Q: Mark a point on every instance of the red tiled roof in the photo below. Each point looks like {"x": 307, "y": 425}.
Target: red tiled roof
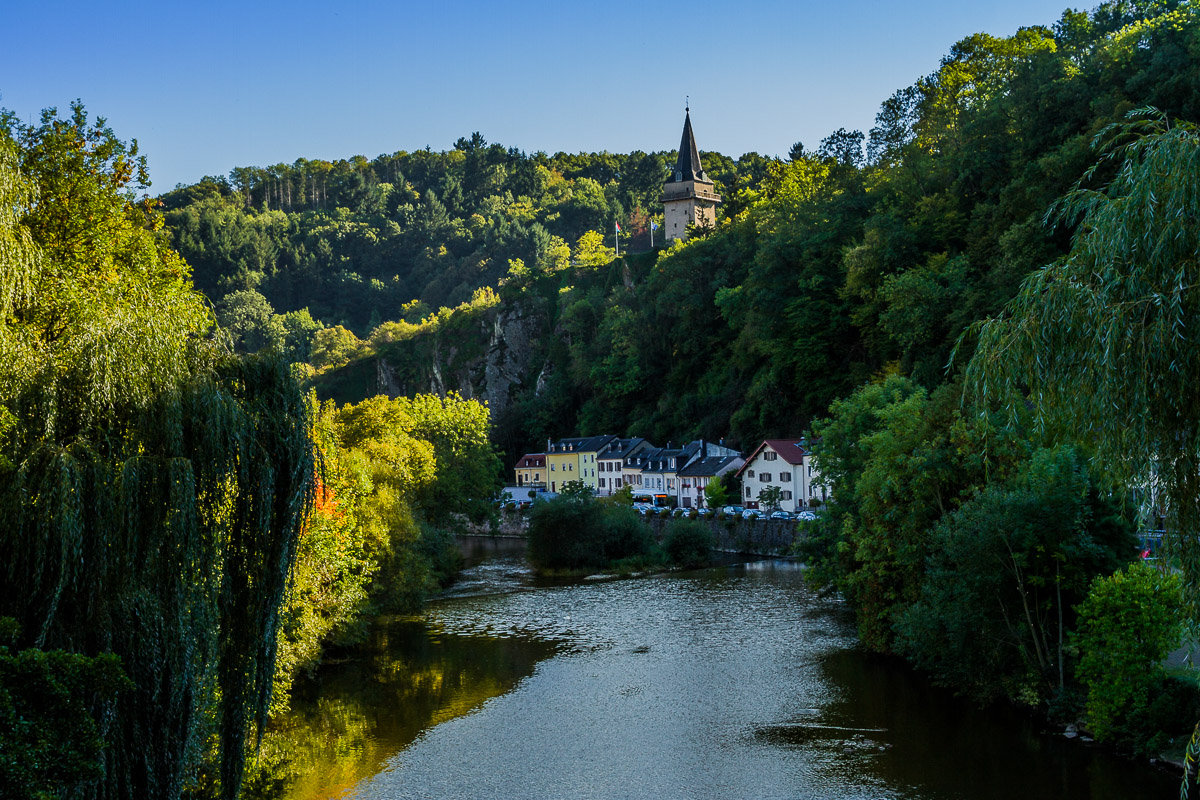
{"x": 531, "y": 461}
{"x": 790, "y": 450}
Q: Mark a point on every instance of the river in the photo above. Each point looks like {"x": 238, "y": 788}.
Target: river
{"x": 731, "y": 682}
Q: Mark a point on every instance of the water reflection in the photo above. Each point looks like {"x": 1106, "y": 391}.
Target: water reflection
{"x": 733, "y": 682}
{"x": 410, "y": 678}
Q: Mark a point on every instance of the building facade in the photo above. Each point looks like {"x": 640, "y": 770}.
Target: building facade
{"x": 562, "y": 462}
{"x": 531, "y": 471}
{"x": 786, "y": 464}
{"x": 696, "y": 476}
{"x": 610, "y": 464}
{"x": 589, "y": 452}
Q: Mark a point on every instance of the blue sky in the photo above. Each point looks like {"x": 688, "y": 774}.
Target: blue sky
{"x": 206, "y": 87}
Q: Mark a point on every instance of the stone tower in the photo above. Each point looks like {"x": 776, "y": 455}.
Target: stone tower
{"x": 688, "y": 195}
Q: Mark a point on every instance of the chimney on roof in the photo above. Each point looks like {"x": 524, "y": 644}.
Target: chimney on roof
{"x": 703, "y": 449}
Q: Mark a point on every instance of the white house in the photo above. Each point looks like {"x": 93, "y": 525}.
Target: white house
{"x": 787, "y": 464}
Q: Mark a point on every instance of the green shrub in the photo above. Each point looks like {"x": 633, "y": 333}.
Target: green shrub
{"x": 1128, "y": 623}
{"x": 50, "y": 740}
{"x": 689, "y": 543}
{"x": 581, "y": 533}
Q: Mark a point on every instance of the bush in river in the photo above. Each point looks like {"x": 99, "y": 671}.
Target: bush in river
{"x": 580, "y": 533}
{"x": 689, "y": 543}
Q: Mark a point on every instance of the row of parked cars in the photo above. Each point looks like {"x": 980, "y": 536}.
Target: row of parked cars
{"x": 758, "y": 513}
{"x": 729, "y": 511}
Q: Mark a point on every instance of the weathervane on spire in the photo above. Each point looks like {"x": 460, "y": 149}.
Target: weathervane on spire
{"x": 687, "y": 104}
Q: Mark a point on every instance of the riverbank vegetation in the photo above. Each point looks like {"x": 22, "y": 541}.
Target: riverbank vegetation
{"x": 576, "y": 532}
{"x": 991, "y": 549}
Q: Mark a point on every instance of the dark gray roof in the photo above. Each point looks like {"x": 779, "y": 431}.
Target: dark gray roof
{"x": 688, "y": 168}
{"x": 594, "y": 444}
{"x": 621, "y": 448}
{"x": 660, "y": 460}
{"x": 566, "y": 445}
{"x": 707, "y": 467}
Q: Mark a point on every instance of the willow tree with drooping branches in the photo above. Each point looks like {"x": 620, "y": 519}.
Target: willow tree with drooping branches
{"x": 1103, "y": 346}
{"x": 152, "y": 487}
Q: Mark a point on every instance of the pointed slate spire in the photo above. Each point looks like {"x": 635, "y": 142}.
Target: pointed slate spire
{"x": 688, "y": 168}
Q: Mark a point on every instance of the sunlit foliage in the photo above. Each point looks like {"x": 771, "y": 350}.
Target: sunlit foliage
{"x": 153, "y": 488}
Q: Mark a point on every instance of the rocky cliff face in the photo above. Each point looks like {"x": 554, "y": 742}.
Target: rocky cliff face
{"x": 487, "y": 359}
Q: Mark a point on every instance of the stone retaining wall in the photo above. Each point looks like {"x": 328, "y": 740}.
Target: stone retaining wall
{"x": 733, "y": 535}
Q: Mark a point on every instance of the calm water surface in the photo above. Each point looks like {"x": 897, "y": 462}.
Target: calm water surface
{"x": 732, "y": 682}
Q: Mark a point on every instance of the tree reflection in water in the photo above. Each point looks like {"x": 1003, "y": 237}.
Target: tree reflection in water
{"x": 351, "y": 717}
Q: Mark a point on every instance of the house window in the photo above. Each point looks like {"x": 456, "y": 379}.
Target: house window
{"x": 747, "y": 491}
{"x": 785, "y": 477}
{"x": 785, "y": 495}
{"x": 552, "y": 466}
{"x": 764, "y": 477}
{"x": 602, "y": 483}
{"x": 537, "y": 477}
{"x": 770, "y": 456}
{"x": 749, "y": 473}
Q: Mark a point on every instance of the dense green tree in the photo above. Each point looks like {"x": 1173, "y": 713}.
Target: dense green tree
{"x": 153, "y": 490}
{"x": 897, "y": 461}
{"x": 247, "y": 316}
{"x": 52, "y": 741}
{"x": 579, "y": 532}
{"x": 1003, "y": 575}
{"x": 716, "y": 493}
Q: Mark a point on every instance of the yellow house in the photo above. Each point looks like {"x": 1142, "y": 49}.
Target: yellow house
{"x": 574, "y": 460}
{"x": 589, "y": 451}
{"x": 562, "y": 462}
{"x": 531, "y": 470}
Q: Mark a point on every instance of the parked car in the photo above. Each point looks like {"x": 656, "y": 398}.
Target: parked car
{"x": 752, "y": 513}
{"x": 781, "y": 514}
{"x": 704, "y": 512}
{"x": 732, "y": 511}
{"x": 808, "y": 516}
{"x": 679, "y": 512}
